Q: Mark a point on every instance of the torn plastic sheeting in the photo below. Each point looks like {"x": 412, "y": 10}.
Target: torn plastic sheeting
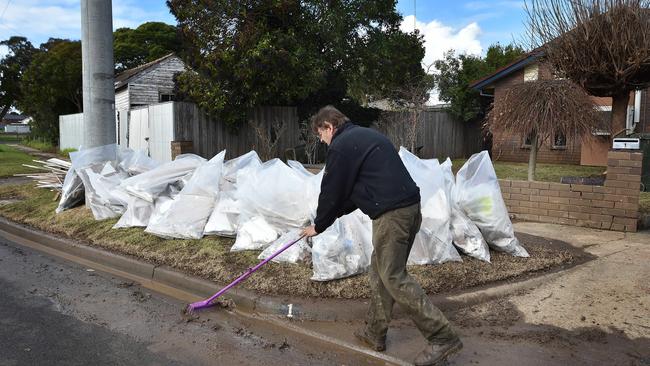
{"x": 190, "y": 209}
{"x": 479, "y": 196}
{"x": 100, "y": 182}
{"x": 298, "y": 252}
{"x": 152, "y": 183}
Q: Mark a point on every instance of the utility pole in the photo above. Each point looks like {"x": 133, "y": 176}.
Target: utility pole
{"x": 98, "y": 72}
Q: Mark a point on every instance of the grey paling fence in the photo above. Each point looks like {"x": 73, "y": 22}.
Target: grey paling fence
{"x": 438, "y": 134}
{"x": 209, "y": 135}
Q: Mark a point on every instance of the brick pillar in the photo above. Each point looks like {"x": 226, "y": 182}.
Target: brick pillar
{"x": 624, "y": 180}
{"x": 181, "y": 147}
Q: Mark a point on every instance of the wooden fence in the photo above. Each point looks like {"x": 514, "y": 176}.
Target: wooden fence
{"x": 209, "y": 136}
{"x": 438, "y": 135}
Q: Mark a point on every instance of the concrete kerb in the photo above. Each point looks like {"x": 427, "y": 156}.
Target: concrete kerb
{"x": 248, "y": 301}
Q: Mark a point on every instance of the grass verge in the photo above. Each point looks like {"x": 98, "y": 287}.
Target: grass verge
{"x": 644, "y": 203}
{"x": 211, "y": 259}
{"x": 543, "y": 172}
{"x": 12, "y": 160}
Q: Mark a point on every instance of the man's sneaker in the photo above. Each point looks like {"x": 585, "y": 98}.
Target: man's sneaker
{"x": 378, "y": 344}
{"x": 434, "y": 352}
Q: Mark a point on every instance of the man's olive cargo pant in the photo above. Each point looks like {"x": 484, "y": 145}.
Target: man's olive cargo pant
{"x": 393, "y": 234}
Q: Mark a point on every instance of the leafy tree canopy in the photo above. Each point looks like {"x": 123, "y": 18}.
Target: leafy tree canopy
{"x": 457, "y": 72}
{"x": 288, "y": 52}
{"x": 12, "y": 68}
{"x": 51, "y": 86}
{"x": 148, "y": 42}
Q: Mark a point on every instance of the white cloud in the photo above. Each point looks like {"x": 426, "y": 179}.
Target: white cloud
{"x": 40, "y": 20}
{"x": 440, "y": 38}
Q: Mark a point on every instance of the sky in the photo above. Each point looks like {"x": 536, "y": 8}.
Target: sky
{"x": 465, "y": 26}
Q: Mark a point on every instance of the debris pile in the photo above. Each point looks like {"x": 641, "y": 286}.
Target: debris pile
{"x": 51, "y": 173}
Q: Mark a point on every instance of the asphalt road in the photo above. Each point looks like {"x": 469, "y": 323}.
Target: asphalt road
{"x": 54, "y": 312}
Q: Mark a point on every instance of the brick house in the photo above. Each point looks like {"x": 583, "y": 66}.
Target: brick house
{"x": 532, "y": 66}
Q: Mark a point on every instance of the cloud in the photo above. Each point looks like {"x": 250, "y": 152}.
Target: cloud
{"x": 40, "y": 20}
{"x": 440, "y": 38}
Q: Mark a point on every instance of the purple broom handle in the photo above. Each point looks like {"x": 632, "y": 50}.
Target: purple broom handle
{"x": 251, "y": 270}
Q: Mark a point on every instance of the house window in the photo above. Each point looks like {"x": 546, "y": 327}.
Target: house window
{"x": 528, "y": 141}
{"x": 166, "y": 97}
{"x": 531, "y": 72}
{"x": 559, "y": 141}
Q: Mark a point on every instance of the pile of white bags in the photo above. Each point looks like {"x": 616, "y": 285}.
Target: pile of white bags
{"x": 265, "y": 205}
{"x": 479, "y": 196}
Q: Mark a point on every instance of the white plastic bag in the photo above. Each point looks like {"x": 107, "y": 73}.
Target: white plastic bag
{"x": 72, "y": 191}
{"x": 254, "y": 234}
{"x": 224, "y": 218}
{"x": 271, "y": 199}
{"x": 152, "y": 183}
{"x": 433, "y": 242}
{"x": 465, "y": 234}
{"x": 137, "y": 214}
{"x": 137, "y": 162}
{"x": 344, "y": 249}
{"x": 100, "y": 181}
{"x": 479, "y": 196}
{"x": 298, "y": 252}
{"x": 191, "y": 208}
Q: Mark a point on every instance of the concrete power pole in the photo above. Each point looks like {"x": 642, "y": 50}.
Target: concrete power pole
{"x": 98, "y": 72}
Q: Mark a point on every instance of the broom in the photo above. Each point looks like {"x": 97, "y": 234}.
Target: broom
{"x": 191, "y": 308}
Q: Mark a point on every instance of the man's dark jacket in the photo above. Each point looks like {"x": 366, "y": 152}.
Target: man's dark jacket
{"x": 363, "y": 171}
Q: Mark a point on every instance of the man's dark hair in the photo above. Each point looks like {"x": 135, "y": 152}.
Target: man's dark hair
{"x": 328, "y": 114}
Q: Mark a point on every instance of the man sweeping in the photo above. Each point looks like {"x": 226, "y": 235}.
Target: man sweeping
{"x": 363, "y": 170}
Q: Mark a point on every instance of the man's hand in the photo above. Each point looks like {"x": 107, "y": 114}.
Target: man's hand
{"x": 309, "y": 231}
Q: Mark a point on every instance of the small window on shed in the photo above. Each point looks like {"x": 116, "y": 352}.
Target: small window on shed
{"x": 166, "y": 97}
{"x": 531, "y": 72}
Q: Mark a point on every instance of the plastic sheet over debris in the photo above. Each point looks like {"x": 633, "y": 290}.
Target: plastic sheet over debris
{"x": 265, "y": 206}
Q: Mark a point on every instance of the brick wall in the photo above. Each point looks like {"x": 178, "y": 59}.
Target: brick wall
{"x": 614, "y": 206}
{"x": 507, "y": 147}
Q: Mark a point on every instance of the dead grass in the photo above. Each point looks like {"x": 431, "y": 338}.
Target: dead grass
{"x": 211, "y": 259}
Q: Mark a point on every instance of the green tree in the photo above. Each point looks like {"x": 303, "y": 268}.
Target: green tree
{"x": 457, "y": 72}
{"x": 148, "y": 42}
{"x": 305, "y": 53}
{"x": 51, "y": 87}
{"x": 12, "y": 68}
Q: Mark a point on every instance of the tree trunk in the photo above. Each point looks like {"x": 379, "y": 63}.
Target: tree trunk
{"x": 532, "y": 158}
{"x": 619, "y": 113}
